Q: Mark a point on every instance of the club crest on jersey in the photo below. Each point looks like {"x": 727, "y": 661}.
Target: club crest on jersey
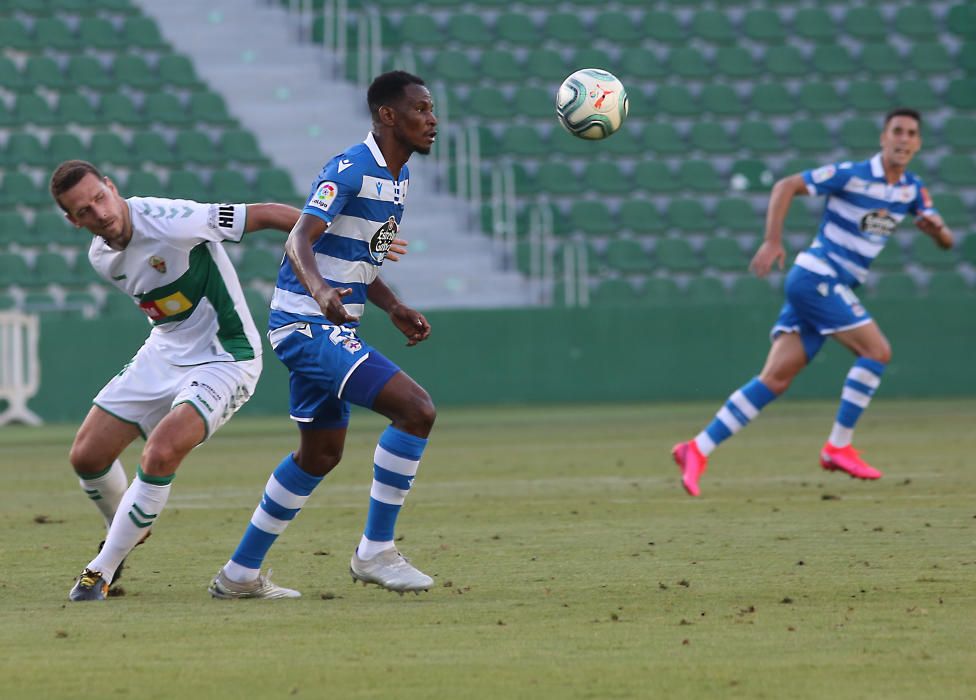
{"x": 158, "y": 264}
{"x": 352, "y": 345}
{"x": 324, "y": 195}
{"x": 878, "y": 222}
{"x": 381, "y": 240}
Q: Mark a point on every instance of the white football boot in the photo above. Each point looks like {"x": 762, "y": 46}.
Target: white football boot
{"x": 391, "y": 570}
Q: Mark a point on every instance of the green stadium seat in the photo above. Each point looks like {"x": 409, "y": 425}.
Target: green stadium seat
{"x": 689, "y": 215}
{"x": 99, "y": 33}
{"x": 241, "y": 146}
{"x": 713, "y": 26}
{"x": 688, "y": 62}
{"x": 641, "y": 217}
{"x": 750, "y": 175}
{"x": 24, "y": 148}
{"x": 747, "y": 289}
{"x": 108, "y": 147}
{"x": 52, "y": 268}
{"x": 627, "y": 255}
{"x": 178, "y": 71}
{"x": 524, "y": 140}
{"x": 820, "y": 98}
{"x": 660, "y": 291}
{"x": 833, "y": 60}
{"x": 705, "y": 290}
{"x": 274, "y": 184}
{"x": 142, "y": 33}
{"x": 209, "y": 108}
{"x": 185, "y": 184}
{"x": 918, "y": 93}
{"x": 721, "y": 100}
{"x": 534, "y": 102}
{"x": 640, "y": 104}
{"x": 519, "y": 29}
{"x": 13, "y": 229}
{"x": 735, "y": 62}
{"x": 18, "y": 189}
{"x": 772, "y": 99}
{"x": 947, "y": 285}
{"x": 88, "y": 71}
{"x": 258, "y": 264}
{"x": 35, "y": 110}
{"x": 166, "y": 109}
{"x": 14, "y": 34}
{"x": 764, "y": 26}
{"x": 953, "y": 210}
{"x": 860, "y": 135}
{"x": 810, "y": 135}
{"x": 74, "y": 108}
{"x": 815, "y": 24}
{"x": 117, "y": 108}
{"x": 14, "y": 269}
{"x": 961, "y": 93}
{"x": 894, "y": 285}
{"x": 50, "y": 226}
{"x": 712, "y": 138}
{"x": 39, "y": 301}
{"x": 967, "y": 57}
{"x": 958, "y": 170}
{"x": 881, "y": 59}
{"x": 469, "y": 29}
{"x": 676, "y": 100}
{"x": 591, "y": 56}
{"x": 489, "y": 103}
{"x": 676, "y": 255}
{"x": 8, "y": 302}
{"x": 617, "y": 28}
{"x": 724, "y": 254}
{"x": 931, "y": 58}
{"x": 10, "y": 76}
{"x": 961, "y": 20}
{"x": 44, "y": 71}
{"x": 63, "y": 146}
{"x": 700, "y": 176}
{"x": 967, "y": 249}
{"x": 867, "y": 96}
{"x": 785, "y": 62}
{"x": 866, "y": 24}
{"x": 151, "y": 147}
{"x": 421, "y": 29}
{"x": 142, "y": 183}
{"x": 890, "y": 257}
{"x": 230, "y": 186}
{"x": 566, "y": 28}
{"x": 80, "y": 301}
{"x": 737, "y": 215}
{"x": 916, "y": 22}
{"x": 604, "y": 177}
{"x": 454, "y": 65}
{"x": 759, "y": 137}
{"x": 664, "y": 27}
{"x": 501, "y": 65}
{"x": 196, "y": 147}
{"x": 557, "y": 179}
{"x": 624, "y": 143}
{"x": 545, "y": 65}
{"x": 662, "y": 138}
{"x": 52, "y": 33}
{"x": 656, "y": 177}
{"x": 592, "y": 217}
{"x": 613, "y": 292}
{"x": 925, "y": 252}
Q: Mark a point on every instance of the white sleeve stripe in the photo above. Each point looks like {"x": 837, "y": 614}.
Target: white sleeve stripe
{"x": 391, "y": 463}
{"x": 855, "y": 397}
{"x": 865, "y": 377}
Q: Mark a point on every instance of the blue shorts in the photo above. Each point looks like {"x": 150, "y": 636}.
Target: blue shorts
{"x": 817, "y": 306}
{"x": 330, "y": 368}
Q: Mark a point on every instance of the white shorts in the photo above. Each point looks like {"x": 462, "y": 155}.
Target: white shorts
{"x": 148, "y": 388}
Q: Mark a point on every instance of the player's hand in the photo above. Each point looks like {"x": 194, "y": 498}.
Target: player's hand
{"x": 933, "y": 226}
{"x": 330, "y": 301}
{"x": 398, "y": 248}
{"x": 411, "y": 323}
{"x": 768, "y": 254}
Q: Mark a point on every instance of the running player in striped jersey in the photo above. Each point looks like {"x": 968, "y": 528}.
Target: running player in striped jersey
{"x": 199, "y": 365}
{"x": 865, "y": 201}
{"x": 347, "y": 229}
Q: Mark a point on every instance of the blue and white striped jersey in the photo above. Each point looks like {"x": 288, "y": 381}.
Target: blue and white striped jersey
{"x": 363, "y": 205}
{"x": 860, "y": 214}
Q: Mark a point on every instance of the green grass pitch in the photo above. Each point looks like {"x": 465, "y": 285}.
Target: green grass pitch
{"x": 568, "y": 562}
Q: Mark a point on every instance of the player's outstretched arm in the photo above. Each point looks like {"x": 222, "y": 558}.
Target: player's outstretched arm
{"x": 772, "y": 251}
{"x": 280, "y": 217}
{"x": 411, "y": 323}
{"x": 298, "y": 248}
{"x": 933, "y": 226}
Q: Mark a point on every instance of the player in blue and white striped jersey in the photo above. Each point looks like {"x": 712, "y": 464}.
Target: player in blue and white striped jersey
{"x": 347, "y": 229}
{"x": 865, "y": 201}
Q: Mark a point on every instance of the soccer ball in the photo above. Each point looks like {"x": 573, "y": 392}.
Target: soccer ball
{"x": 591, "y": 103}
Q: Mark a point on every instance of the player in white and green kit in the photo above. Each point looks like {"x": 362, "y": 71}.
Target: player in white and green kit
{"x": 198, "y": 366}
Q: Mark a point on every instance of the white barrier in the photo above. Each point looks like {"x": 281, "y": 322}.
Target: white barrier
{"x": 20, "y": 373}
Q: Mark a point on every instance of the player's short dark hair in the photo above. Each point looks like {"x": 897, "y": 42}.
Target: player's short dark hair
{"x": 388, "y": 88}
{"x": 904, "y": 112}
{"x": 69, "y": 174}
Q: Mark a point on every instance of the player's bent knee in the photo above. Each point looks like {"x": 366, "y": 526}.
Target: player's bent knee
{"x": 160, "y": 459}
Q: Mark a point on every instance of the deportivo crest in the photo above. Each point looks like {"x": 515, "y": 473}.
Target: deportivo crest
{"x": 158, "y": 264}
{"x": 878, "y": 223}
{"x": 352, "y": 345}
{"x": 324, "y": 195}
{"x": 379, "y": 244}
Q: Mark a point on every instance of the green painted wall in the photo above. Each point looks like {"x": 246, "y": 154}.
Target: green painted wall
{"x": 596, "y": 354}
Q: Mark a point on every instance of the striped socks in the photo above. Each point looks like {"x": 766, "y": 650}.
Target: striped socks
{"x": 859, "y": 386}
{"x": 284, "y": 495}
{"x": 105, "y": 489}
{"x": 739, "y": 410}
{"x": 395, "y": 465}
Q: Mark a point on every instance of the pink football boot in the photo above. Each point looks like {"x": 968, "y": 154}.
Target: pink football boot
{"x": 846, "y": 459}
{"x": 692, "y": 464}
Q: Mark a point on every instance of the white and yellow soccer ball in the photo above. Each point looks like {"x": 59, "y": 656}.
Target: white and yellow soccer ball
{"x": 591, "y": 103}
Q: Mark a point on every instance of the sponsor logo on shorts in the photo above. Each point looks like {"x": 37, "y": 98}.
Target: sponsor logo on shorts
{"x": 379, "y": 244}
{"x": 209, "y": 389}
{"x": 204, "y": 402}
{"x": 878, "y": 222}
{"x": 324, "y": 195}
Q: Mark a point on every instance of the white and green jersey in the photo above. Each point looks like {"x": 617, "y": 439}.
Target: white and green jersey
{"x": 180, "y": 276}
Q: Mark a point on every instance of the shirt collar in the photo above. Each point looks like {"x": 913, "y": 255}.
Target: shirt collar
{"x": 877, "y": 169}
{"x": 375, "y": 150}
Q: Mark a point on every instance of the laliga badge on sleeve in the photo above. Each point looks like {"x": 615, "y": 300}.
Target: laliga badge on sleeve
{"x": 324, "y": 195}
